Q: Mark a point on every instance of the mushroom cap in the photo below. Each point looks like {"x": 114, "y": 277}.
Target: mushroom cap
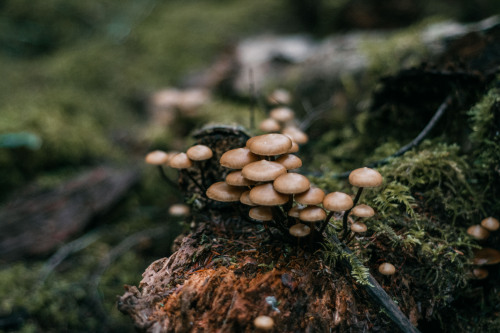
{"x": 480, "y": 273}
{"x": 245, "y": 199}
{"x": 270, "y": 144}
{"x": 180, "y": 161}
{"x": 358, "y": 227}
{"x": 387, "y": 268}
{"x": 261, "y": 213}
{"x": 294, "y": 148}
{"x": 486, "y": 256}
{"x": 222, "y": 191}
{"x": 199, "y": 153}
{"x": 265, "y": 323}
{"x": 363, "y": 211}
{"x": 337, "y": 202}
{"x": 294, "y": 212}
{"x": 266, "y": 195}
{"x": 237, "y": 158}
{"x": 235, "y": 178}
{"x": 313, "y": 196}
{"x": 312, "y": 214}
{"x": 280, "y": 96}
{"x": 269, "y": 125}
{"x": 157, "y": 157}
{"x": 179, "y": 210}
{"x": 263, "y": 171}
{"x": 478, "y": 232}
{"x": 490, "y": 223}
{"x": 282, "y": 114}
{"x": 365, "y": 177}
{"x": 296, "y": 134}
{"x": 299, "y": 230}
{"x": 289, "y": 161}
{"x": 291, "y": 183}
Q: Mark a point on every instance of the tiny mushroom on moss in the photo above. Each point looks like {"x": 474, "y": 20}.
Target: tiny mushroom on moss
{"x": 337, "y": 202}
{"x": 387, "y": 268}
{"x": 478, "y": 232}
{"x": 358, "y": 227}
{"x": 365, "y": 177}
{"x": 490, "y": 223}
{"x": 363, "y": 211}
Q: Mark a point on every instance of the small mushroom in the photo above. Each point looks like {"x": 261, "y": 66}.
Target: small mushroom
{"x": 245, "y": 199}
{"x": 296, "y": 134}
{"x": 313, "y": 196}
{"x": 269, "y": 125}
{"x": 266, "y": 195}
{"x": 363, "y": 211}
{"x": 179, "y": 210}
{"x": 290, "y": 161}
{"x": 180, "y": 161}
{"x": 270, "y": 144}
{"x": 263, "y": 171}
{"x": 337, "y": 202}
{"x": 199, "y": 153}
{"x": 312, "y": 214}
{"x": 235, "y": 178}
{"x": 387, "y": 269}
{"x": 294, "y": 148}
{"x": 478, "y": 232}
{"x": 299, "y": 230}
{"x": 490, "y": 223}
{"x": 221, "y": 191}
{"x": 358, "y": 227}
{"x": 294, "y": 212}
{"x": 282, "y": 114}
{"x": 237, "y": 158}
{"x": 157, "y": 157}
{"x": 486, "y": 256}
{"x": 365, "y": 177}
{"x": 480, "y": 273}
{"x": 264, "y": 323}
{"x": 261, "y": 213}
{"x": 291, "y": 183}
{"x": 280, "y": 96}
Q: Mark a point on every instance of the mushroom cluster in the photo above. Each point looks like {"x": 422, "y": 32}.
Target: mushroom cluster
{"x": 194, "y": 157}
{"x": 263, "y": 178}
{"x": 484, "y": 256}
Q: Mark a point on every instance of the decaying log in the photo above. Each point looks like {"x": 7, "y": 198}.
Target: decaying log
{"x": 36, "y": 221}
{"x": 228, "y": 272}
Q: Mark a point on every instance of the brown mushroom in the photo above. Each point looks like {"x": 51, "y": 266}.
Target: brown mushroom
{"x": 180, "y": 161}
{"x": 299, "y": 230}
{"x": 269, "y": 125}
{"x": 387, "y": 269}
{"x": 486, "y": 256}
{"x": 478, "y": 232}
{"x": 365, "y": 177}
{"x": 363, "y": 211}
{"x": 237, "y": 158}
{"x": 221, "y": 191}
{"x": 245, "y": 199}
{"x": 179, "y": 210}
{"x": 261, "y": 213}
{"x": 199, "y": 153}
{"x": 312, "y": 214}
{"x": 296, "y": 134}
{"x": 266, "y": 195}
{"x": 282, "y": 114}
{"x": 358, "y": 227}
{"x": 337, "y": 202}
{"x": 157, "y": 157}
{"x": 264, "y": 323}
{"x": 289, "y": 161}
{"x": 313, "y": 196}
{"x": 263, "y": 171}
{"x": 490, "y": 223}
{"x": 235, "y": 178}
{"x": 291, "y": 183}
{"x": 270, "y": 144}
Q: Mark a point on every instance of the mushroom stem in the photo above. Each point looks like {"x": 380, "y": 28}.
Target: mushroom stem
{"x": 201, "y": 188}
{"x": 325, "y": 222}
{"x": 165, "y": 177}
{"x": 346, "y": 214}
{"x": 279, "y": 218}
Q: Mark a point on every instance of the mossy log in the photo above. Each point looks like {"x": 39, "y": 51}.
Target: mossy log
{"x": 35, "y": 221}
{"x": 225, "y": 275}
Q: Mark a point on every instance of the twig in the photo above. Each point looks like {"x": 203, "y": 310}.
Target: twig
{"x": 378, "y": 294}
{"x": 415, "y": 142}
{"x": 65, "y": 251}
